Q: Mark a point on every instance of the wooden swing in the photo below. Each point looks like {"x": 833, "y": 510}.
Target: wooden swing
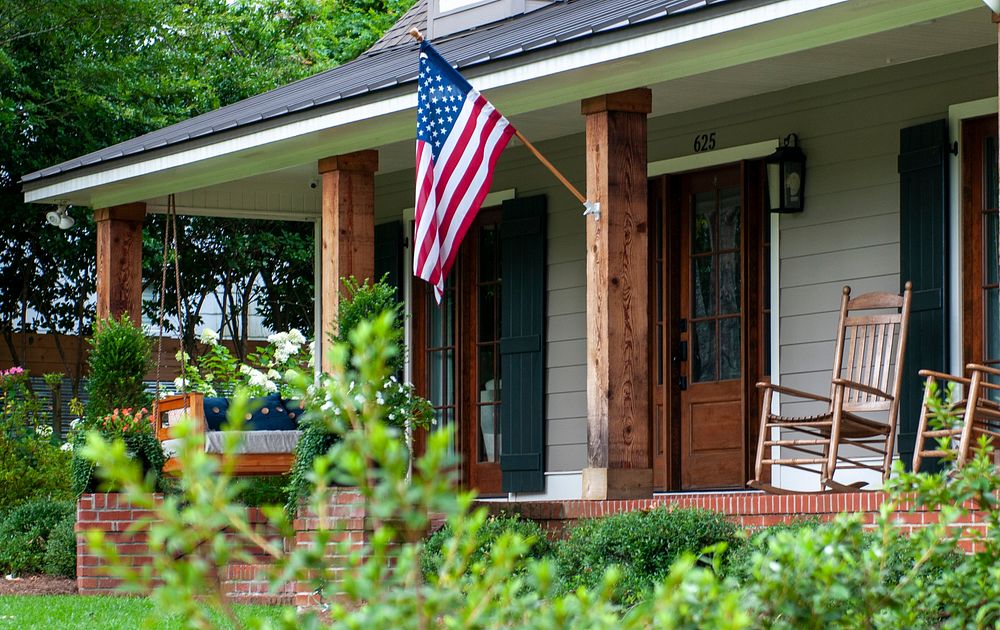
{"x": 261, "y": 452}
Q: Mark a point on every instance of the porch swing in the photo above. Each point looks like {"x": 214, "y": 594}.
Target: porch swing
{"x": 267, "y": 443}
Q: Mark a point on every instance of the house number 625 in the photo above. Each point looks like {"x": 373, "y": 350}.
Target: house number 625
{"x": 704, "y": 142}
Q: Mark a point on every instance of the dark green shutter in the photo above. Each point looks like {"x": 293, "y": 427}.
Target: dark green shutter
{"x": 389, "y": 254}
{"x": 923, "y": 252}
{"x": 522, "y": 345}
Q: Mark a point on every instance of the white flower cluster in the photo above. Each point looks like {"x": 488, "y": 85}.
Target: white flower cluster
{"x": 286, "y": 344}
{"x": 43, "y": 431}
{"x": 259, "y": 379}
{"x": 67, "y": 446}
{"x": 208, "y": 337}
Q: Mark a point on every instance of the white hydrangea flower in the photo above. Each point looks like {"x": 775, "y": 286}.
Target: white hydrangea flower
{"x": 246, "y": 369}
{"x": 67, "y": 446}
{"x": 209, "y": 337}
{"x": 277, "y": 338}
{"x": 296, "y": 337}
{"x": 273, "y": 374}
{"x": 44, "y": 431}
{"x": 180, "y": 383}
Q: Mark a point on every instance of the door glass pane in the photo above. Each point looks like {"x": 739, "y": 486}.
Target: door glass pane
{"x": 703, "y": 286}
{"x": 729, "y": 348}
{"x": 703, "y": 352}
{"x": 729, "y": 283}
{"x": 990, "y": 261}
{"x": 487, "y": 312}
{"x": 992, "y": 324}
{"x": 990, "y": 174}
{"x": 729, "y": 218}
{"x": 703, "y": 225}
{"x": 488, "y": 252}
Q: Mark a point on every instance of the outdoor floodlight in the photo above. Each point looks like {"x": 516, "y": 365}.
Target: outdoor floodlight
{"x": 60, "y": 217}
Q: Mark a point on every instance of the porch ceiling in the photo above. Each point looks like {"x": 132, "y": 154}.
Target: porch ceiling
{"x": 840, "y": 40}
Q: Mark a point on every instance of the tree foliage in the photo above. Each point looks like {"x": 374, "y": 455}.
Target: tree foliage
{"x": 78, "y": 75}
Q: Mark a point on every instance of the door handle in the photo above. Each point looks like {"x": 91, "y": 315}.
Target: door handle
{"x": 682, "y": 352}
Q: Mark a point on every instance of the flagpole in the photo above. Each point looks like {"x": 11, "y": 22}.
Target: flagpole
{"x": 591, "y": 207}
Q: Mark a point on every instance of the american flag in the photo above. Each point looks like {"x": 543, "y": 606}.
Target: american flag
{"x": 459, "y": 138}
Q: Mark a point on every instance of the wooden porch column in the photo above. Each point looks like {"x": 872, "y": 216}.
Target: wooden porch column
{"x": 619, "y": 446}
{"x": 348, "y": 227}
{"x": 119, "y": 260}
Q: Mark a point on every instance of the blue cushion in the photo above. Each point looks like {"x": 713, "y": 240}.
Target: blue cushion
{"x": 270, "y": 415}
{"x": 216, "y": 412}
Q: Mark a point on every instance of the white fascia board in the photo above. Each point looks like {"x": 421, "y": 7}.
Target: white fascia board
{"x": 539, "y": 69}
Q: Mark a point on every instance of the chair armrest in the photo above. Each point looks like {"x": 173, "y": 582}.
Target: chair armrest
{"x": 941, "y": 376}
{"x": 791, "y": 392}
{"x": 868, "y": 389}
{"x": 975, "y": 367}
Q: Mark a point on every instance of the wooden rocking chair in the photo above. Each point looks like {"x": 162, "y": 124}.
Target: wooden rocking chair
{"x": 979, "y": 416}
{"x": 867, "y": 376}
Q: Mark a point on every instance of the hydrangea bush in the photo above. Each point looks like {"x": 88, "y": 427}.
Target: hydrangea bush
{"x": 216, "y": 372}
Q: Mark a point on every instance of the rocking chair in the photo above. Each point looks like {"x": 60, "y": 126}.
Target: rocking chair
{"x": 867, "y": 375}
{"x": 978, "y": 415}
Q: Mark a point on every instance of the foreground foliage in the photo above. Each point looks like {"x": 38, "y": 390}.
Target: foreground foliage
{"x": 835, "y": 575}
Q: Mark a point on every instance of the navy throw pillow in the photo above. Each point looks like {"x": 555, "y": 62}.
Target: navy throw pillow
{"x": 294, "y": 409}
{"x": 270, "y": 415}
{"x": 216, "y": 413}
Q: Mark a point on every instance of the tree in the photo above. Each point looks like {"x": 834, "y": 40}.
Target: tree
{"x": 83, "y": 74}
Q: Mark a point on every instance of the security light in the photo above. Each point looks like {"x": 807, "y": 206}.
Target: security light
{"x": 60, "y": 217}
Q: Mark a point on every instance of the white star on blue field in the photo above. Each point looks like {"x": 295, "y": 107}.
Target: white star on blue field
{"x": 441, "y": 93}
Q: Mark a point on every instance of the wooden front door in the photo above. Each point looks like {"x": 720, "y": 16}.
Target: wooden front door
{"x": 708, "y": 324}
{"x": 980, "y": 265}
{"x": 711, "y": 402}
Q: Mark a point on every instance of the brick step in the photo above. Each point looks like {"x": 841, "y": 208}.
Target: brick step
{"x": 246, "y": 584}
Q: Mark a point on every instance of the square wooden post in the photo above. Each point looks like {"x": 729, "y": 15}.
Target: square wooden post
{"x": 348, "y": 229}
{"x": 119, "y": 261}
{"x": 619, "y": 446}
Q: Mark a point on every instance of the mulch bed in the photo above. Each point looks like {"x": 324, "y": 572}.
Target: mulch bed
{"x": 37, "y": 585}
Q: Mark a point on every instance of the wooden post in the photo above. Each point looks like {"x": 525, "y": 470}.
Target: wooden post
{"x": 619, "y": 446}
{"x": 119, "y": 260}
{"x": 348, "y": 227}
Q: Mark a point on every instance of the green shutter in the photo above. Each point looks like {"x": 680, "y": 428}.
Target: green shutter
{"x": 389, "y": 254}
{"x": 923, "y": 251}
{"x": 522, "y": 345}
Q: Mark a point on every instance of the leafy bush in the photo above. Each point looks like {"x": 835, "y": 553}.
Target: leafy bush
{"x": 493, "y": 529}
{"x": 60, "y": 549}
{"x": 25, "y": 532}
{"x": 136, "y": 430}
{"x": 261, "y": 491}
{"x": 118, "y": 363}
{"x": 399, "y": 403}
{"x": 643, "y": 545}
{"x": 32, "y": 469}
{"x": 119, "y": 360}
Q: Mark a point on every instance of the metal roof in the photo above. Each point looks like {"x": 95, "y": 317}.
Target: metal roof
{"x": 393, "y": 61}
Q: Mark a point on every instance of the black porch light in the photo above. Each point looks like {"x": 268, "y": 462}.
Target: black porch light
{"x": 786, "y": 176}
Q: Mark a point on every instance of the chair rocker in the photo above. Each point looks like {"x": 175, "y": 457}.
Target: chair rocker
{"x": 867, "y": 375}
{"x": 260, "y": 453}
{"x": 978, "y": 414}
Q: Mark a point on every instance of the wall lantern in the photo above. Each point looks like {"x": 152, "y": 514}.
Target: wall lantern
{"x": 786, "y": 176}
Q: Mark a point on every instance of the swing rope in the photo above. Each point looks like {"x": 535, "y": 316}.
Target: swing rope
{"x": 170, "y": 247}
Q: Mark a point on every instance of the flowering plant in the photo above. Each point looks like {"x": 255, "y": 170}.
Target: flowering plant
{"x": 125, "y": 422}
{"x": 218, "y": 373}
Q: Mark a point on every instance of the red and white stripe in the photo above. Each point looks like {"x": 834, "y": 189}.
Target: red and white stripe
{"x": 451, "y": 189}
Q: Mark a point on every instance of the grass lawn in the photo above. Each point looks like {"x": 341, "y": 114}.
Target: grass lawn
{"x": 97, "y": 612}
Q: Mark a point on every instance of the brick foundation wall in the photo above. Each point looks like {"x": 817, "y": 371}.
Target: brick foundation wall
{"x": 748, "y": 509}
{"x": 246, "y": 582}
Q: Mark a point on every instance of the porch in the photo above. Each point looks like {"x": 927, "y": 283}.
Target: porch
{"x": 599, "y": 404}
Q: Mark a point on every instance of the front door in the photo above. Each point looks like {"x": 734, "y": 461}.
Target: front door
{"x": 711, "y": 402}
{"x": 709, "y": 324}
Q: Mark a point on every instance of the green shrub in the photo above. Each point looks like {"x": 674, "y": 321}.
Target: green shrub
{"x": 642, "y": 545}
{"x": 494, "y": 527}
{"x": 399, "y": 402}
{"x": 120, "y": 358}
{"x": 32, "y": 469}
{"x": 60, "y": 551}
{"x": 261, "y": 491}
{"x": 25, "y": 532}
{"x": 119, "y": 361}
{"x": 739, "y": 560}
